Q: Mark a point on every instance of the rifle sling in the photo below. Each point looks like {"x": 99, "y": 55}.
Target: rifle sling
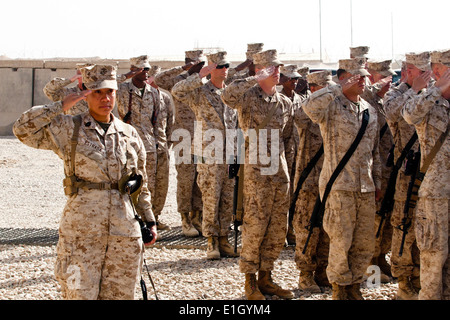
{"x": 305, "y": 173}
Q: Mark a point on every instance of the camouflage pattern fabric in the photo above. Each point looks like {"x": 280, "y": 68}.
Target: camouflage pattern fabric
{"x": 266, "y": 197}
{"x": 56, "y": 90}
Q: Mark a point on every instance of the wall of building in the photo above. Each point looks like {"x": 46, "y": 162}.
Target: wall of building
{"x": 22, "y": 82}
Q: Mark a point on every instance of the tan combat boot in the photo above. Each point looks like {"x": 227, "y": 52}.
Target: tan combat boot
{"x": 339, "y": 292}
{"x": 251, "y": 288}
{"x": 267, "y": 286}
{"x": 354, "y": 292}
{"x": 226, "y": 249}
{"x": 160, "y": 225}
{"x": 306, "y": 282}
{"x": 212, "y": 251}
{"x": 186, "y": 226}
{"x": 406, "y": 290}
{"x": 196, "y": 220}
{"x": 321, "y": 278}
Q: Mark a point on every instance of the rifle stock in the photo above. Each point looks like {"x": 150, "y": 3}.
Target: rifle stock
{"x": 315, "y": 221}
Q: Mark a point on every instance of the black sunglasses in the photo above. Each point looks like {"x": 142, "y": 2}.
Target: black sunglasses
{"x": 146, "y": 69}
{"x": 221, "y": 66}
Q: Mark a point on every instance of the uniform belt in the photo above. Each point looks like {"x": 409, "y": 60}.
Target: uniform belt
{"x": 99, "y": 186}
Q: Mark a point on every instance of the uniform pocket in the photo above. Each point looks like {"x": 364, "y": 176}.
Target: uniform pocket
{"x": 426, "y": 230}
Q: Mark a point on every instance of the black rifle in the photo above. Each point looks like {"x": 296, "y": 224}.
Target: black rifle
{"x": 411, "y": 200}
{"x": 387, "y": 205}
{"x": 306, "y": 171}
{"x": 319, "y": 207}
{"x": 233, "y": 172}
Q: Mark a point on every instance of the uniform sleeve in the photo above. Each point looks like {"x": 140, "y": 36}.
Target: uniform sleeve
{"x": 233, "y": 93}
{"x": 144, "y": 205}
{"x": 185, "y": 90}
{"x": 416, "y": 108}
{"x": 393, "y": 102}
{"x": 316, "y": 106}
{"x": 377, "y": 167}
{"x": 123, "y": 97}
{"x": 288, "y": 137}
{"x": 170, "y": 118}
{"x": 40, "y": 126}
{"x": 167, "y": 79}
{"x": 54, "y": 90}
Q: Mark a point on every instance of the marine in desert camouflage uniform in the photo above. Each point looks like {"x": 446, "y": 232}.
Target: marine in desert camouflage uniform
{"x": 288, "y": 79}
{"x": 380, "y": 81}
{"x": 163, "y": 123}
{"x": 350, "y": 209}
{"x": 204, "y": 98}
{"x": 138, "y": 101}
{"x": 100, "y": 249}
{"x": 406, "y": 267}
{"x": 429, "y": 112}
{"x": 313, "y": 263}
{"x": 266, "y": 189}
{"x": 189, "y": 198}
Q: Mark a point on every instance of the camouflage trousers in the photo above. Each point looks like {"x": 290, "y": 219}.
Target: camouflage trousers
{"x": 432, "y": 226}
{"x": 106, "y": 268}
{"x": 217, "y": 198}
{"x": 150, "y": 168}
{"x": 409, "y": 263}
{"x": 349, "y": 222}
{"x": 317, "y": 251}
{"x": 264, "y": 226}
{"x": 189, "y": 197}
{"x": 161, "y": 183}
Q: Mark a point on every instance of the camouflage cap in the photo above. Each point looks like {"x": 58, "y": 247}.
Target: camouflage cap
{"x": 382, "y": 67}
{"x": 290, "y": 71}
{"x": 421, "y": 60}
{"x": 267, "y": 58}
{"x": 83, "y": 65}
{"x": 304, "y": 70}
{"x": 219, "y": 58}
{"x": 154, "y": 70}
{"x": 354, "y": 66}
{"x": 441, "y": 56}
{"x": 195, "y": 55}
{"x": 359, "y": 52}
{"x": 253, "y": 48}
{"x": 140, "y": 62}
{"x": 321, "y": 78}
{"x": 99, "y": 76}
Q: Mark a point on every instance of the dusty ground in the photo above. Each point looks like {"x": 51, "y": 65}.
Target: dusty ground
{"x": 32, "y": 197}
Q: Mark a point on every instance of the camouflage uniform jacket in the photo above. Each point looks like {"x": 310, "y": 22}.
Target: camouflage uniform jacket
{"x": 204, "y": 99}
{"x": 143, "y": 106}
{"x": 429, "y": 112}
{"x": 253, "y": 105}
{"x": 184, "y": 116}
{"x": 310, "y": 141}
{"x": 394, "y": 100}
{"x": 340, "y": 120}
{"x": 56, "y": 90}
{"x": 386, "y": 142}
{"x": 100, "y": 158}
{"x": 165, "y": 120}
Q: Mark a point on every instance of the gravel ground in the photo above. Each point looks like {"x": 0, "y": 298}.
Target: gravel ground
{"x": 32, "y": 197}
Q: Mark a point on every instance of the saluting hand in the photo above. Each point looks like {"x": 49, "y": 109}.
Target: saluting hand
{"x": 421, "y": 81}
{"x": 444, "y": 82}
{"x": 207, "y": 70}
{"x": 72, "y": 99}
{"x": 264, "y": 73}
{"x": 349, "y": 82}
